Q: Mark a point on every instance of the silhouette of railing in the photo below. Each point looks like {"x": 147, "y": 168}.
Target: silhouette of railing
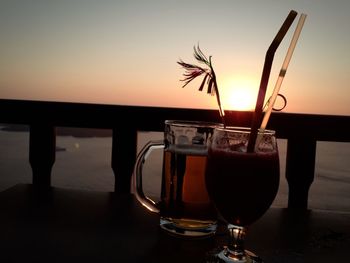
{"x": 302, "y": 131}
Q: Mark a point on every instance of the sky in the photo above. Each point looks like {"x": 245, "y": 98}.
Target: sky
{"x": 125, "y": 52}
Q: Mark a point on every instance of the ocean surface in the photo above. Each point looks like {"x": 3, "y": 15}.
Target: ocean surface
{"x": 84, "y": 163}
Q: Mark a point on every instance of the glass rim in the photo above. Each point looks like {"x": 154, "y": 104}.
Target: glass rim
{"x": 193, "y": 123}
{"x": 242, "y": 129}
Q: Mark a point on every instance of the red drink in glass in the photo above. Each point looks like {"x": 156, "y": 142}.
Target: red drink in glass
{"x": 242, "y": 185}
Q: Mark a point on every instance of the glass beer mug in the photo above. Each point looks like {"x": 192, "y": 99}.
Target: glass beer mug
{"x": 184, "y": 207}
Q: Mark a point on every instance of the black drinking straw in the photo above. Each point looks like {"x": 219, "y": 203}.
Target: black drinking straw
{"x": 257, "y": 116}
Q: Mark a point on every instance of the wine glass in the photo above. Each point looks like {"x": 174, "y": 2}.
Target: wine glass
{"x": 242, "y": 185}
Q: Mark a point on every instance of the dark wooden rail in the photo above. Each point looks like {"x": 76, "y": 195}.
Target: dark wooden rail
{"x": 301, "y": 130}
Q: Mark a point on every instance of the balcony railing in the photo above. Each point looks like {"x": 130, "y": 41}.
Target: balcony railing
{"x": 302, "y": 131}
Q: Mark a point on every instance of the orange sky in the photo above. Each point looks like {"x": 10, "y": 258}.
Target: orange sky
{"x": 125, "y": 52}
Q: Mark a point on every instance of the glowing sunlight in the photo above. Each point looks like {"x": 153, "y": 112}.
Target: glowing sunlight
{"x": 239, "y": 94}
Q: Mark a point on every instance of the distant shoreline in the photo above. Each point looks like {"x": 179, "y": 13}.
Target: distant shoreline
{"x": 64, "y": 131}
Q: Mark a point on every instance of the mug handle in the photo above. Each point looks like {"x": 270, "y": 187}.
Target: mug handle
{"x": 138, "y": 171}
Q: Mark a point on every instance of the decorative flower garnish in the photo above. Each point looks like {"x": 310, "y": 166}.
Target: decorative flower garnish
{"x": 209, "y": 80}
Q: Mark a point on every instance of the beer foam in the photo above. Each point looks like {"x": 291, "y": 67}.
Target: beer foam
{"x": 188, "y": 149}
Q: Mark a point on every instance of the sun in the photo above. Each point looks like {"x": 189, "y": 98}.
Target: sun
{"x": 240, "y": 99}
{"x": 239, "y": 95}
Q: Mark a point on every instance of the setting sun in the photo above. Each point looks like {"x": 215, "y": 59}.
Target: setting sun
{"x": 239, "y": 95}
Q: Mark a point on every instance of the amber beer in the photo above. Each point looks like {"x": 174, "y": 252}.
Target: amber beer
{"x": 185, "y": 200}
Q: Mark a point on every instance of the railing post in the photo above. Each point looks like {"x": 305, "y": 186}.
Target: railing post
{"x": 300, "y": 169}
{"x": 124, "y": 147}
{"x": 42, "y": 150}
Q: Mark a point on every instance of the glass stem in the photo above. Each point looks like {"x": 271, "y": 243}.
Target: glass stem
{"x": 235, "y": 249}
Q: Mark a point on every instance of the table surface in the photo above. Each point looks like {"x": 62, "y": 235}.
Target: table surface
{"x": 63, "y": 225}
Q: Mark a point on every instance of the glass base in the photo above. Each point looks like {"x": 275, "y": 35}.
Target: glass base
{"x": 223, "y": 256}
{"x": 188, "y": 228}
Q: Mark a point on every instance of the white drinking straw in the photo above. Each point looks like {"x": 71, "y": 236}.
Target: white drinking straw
{"x": 283, "y": 70}
{"x": 281, "y": 75}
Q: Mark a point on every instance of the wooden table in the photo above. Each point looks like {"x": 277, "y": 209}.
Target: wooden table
{"x": 63, "y": 225}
